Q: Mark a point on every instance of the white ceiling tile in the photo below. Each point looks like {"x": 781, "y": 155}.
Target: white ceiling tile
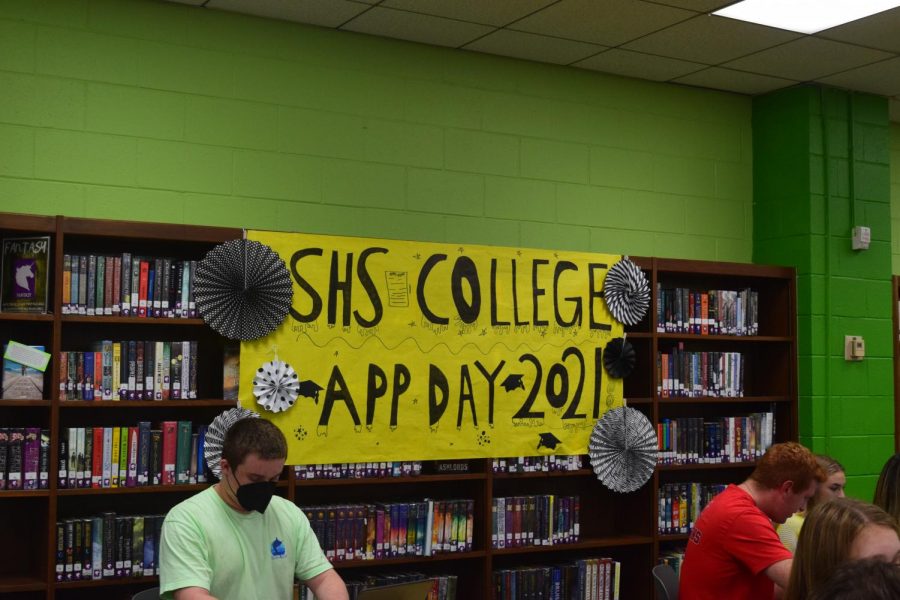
{"x": 880, "y": 31}
{"x": 711, "y": 40}
{"x": 534, "y": 47}
{"x": 414, "y": 27}
{"x": 605, "y": 22}
{"x": 806, "y": 59}
{"x": 734, "y": 81}
{"x": 635, "y": 64}
{"x": 881, "y": 78}
{"x": 487, "y": 12}
{"x": 325, "y": 13}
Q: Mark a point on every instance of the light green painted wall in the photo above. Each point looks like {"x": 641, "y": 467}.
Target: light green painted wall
{"x": 158, "y": 111}
{"x": 822, "y": 165}
{"x": 895, "y": 196}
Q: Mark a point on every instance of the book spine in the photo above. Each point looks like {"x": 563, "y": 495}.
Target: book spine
{"x": 109, "y": 277}
{"x": 125, "y": 297}
{"x": 143, "y": 456}
{"x": 107, "y": 377}
{"x": 183, "y": 453}
{"x": 100, "y": 287}
{"x": 117, "y": 286}
{"x": 135, "y": 370}
{"x": 164, "y": 288}
{"x": 31, "y": 456}
{"x": 185, "y": 287}
{"x": 185, "y": 370}
{"x": 143, "y": 273}
{"x": 157, "y": 472}
{"x": 169, "y": 451}
{"x": 67, "y": 284}
{"x": 82, "y": 283}
{"x": 149, "y": 369}
{"x": 131, "y": 475}
{"x": 192, "y": 305}
{"x": 91, "y": 298}
{"x": 159, "y": 278}
{"x": 166, "y": 364}
{"x": 158, "y": 370}
{"x": 192, "y": 379}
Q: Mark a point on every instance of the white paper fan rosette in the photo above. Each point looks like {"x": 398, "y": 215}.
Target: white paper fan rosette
{"x": 623, "y": 449}
{"x": 276, "y": 386}
{"x": 215, "y": 436}
{"x": 626, "y": 292}
{"x": 243, "y": 289}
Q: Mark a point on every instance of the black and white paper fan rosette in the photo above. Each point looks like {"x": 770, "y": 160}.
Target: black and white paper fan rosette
{"x": 623, "y": 449}
{"x": 619, "y": 358}
{"x": 243, "y": 289}
{"x": 626, "y": 292}
{"x": 276, "y": 386}
{"x": 215, "y": 436}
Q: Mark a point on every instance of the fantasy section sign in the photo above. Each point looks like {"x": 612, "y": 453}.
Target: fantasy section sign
{"x": 417, "y": 350}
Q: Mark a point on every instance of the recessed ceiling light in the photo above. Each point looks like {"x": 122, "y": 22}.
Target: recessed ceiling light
{"x": 804, "y": 16}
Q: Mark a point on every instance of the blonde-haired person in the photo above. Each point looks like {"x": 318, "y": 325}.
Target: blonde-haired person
{"x": 833, "y": 487}
{"x": 837, "y": 532}
{"x": 887, "y": 490}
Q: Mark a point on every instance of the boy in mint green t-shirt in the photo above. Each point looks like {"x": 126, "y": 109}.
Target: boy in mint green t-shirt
{"x": 235, "y": 540}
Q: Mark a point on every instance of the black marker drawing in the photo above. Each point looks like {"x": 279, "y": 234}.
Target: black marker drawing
{"x": 310, "y": 389}
{"x": 512, "y": 382}
{"x": 548, "y": 440}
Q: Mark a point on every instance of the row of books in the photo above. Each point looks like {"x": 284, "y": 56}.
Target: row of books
{"x": 108, "y": 546}
{"x": 542, "y": 520}
{"x": 130, "y": 370}
{"x": 127, "y": 285}
{"x": 443, "y": 587}
{"x": 536, "y": 464}
{"x": 362, "y": 470}
{"x": 680, "y": 504}
{"x": 586, "y": 579}
{"x": 111, "y": 457}
{"x": 24, "y": 458}
{"x": 696, "y": 374}
{"x": 707, "y": 312}
{"x": 713, "y": 440}
{"x": 389, "y": 530}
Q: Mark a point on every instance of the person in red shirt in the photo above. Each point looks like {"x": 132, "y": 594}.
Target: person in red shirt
{"x": 733, "y": 551}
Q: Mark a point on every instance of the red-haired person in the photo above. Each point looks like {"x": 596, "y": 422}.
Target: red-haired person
{"x": 733, "y": 551}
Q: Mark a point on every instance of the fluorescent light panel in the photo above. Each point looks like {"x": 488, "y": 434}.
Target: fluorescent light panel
{"x": 804, "y": 16}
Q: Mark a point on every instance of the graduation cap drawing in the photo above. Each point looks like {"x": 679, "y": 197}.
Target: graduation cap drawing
{"x": 619, "y": 358}
{"x": 512, "y": 382}
{"x": 243, "y": 289}
{"x": 310, "y": 389}
{"x": 548, "y": 440}
{"x": 626, "y": 292}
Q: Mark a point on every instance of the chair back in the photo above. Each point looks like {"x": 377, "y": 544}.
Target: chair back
{"x": 666, "y": 582}
{"x": 151, "y": 594}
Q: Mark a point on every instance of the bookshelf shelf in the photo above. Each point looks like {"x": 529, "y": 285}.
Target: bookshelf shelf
{"x": 770, "y": 380}
{"x": 148, "y": 404}
{"x": 411, "y": 560}
{"x": 24, "y": 494}
{"x": 606, "y": 542}
{"x": 8, "y": 316}
{"x": 22, "y": 403}
{"x": 382, "y": 481}
{"x": 110, "y": 582}
{"x": 721, "y": 400}
{"x": 11, "y": 585}
{"x": 147, "y": 489}
{"x": 544, "y": 474}
{"x": 673, "y": 537}
{"x": 152, "y": 321}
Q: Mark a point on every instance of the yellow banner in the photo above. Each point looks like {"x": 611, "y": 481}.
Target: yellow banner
{"x": 417, "y": 351}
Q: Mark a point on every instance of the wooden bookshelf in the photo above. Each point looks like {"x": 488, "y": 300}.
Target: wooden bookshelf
{"x": 621, "y": 526}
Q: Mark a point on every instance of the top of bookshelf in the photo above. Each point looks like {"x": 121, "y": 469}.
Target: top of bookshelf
{"x": 150, "y": 231}
{"x": 27, "y": 223}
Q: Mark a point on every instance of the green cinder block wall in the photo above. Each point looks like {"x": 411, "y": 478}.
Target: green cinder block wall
{"x": 822, "y": 165}
{"x": 130, "y": 109}
{"x": 895, "y": 197}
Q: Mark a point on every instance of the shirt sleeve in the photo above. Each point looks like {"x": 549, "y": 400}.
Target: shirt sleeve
{"x": 311, "y": 560}
{"x": 183, "y": 557}
{"x": 752, "y": 540}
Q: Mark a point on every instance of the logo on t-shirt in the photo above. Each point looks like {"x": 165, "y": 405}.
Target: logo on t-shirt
{"x": 278, "y": 549}
{"x": 696, "y": 534}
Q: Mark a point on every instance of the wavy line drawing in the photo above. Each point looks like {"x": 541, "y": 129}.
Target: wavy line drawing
{"x": 526, "y": 345}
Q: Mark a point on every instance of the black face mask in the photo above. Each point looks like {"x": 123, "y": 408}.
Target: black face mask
{"x": 255, "y": 496}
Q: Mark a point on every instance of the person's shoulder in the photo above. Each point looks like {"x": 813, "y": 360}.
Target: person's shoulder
{"x": 197, "y": 505}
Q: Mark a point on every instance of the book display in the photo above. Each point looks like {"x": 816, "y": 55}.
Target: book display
{"x": 115, "y": 437}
